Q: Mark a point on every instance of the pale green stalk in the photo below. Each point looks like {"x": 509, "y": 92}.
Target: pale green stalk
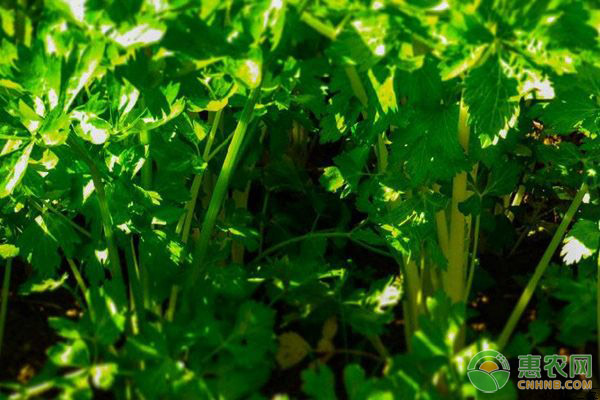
{"x": 541, "y": 268}
{"x": 191, "y": 206}
{"x": 146, "y": 178}
{"x": 324, "y": 29}
{"x": 454, "y": 276}
{"x": 78, "y": 279}
{"x": 222, "y": 185}
{"x": 147, "y": 167}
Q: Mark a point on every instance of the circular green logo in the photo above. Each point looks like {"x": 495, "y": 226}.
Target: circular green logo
{"x": 488, "y": 371}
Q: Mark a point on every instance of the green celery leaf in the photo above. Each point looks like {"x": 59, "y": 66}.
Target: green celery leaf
{"x": 12, "y": 169}
{"x": 319, "y": 383}
{"x": 85, "y": 70}
{"x": 489, "y": 94}
{"x": 74, "y": 354}
{"x": 575, "y": 107}
{"x": 581, "y": 242}
{"x": 140, "y": 35}
{"x": 570, "y": 29}
{"x": 8, "y": 251}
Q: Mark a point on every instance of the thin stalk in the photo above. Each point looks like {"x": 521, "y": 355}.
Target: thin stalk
{"x": 147, "y": 167}
{"x": 191, "y": 206}
{"x": 356, "y": 353}
{"x": 262, "y": 222}
{"x": 79, "y": 280}
{"x": 4, "y": 307}
{"x": 113, "y": 253}
{"x": 382, "y": 153}
{"x": 141, "y": 276}
{"x": 324, "y": 29}
{"x": 141, "y": 270}
{"x": 172, "y": 303}
{"x": 315, "y": 235}
{"x": 219, "y": 147}
{"x": 222, "y": 185}
{"x": 473, "y": 257}
{"x": 240, "y": 199}
{"x": 357, "y": 86}
{"x": 196, "y": 183}
{"x": 136, "y": 290}
{"x": 518, "y": 199}
{"x": 379, "y": 346}
{"x": 454, "y": 277}
{"x": 540, "y": 268}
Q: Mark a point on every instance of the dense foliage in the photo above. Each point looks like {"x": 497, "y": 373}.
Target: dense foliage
{"x": 256, "y": 198}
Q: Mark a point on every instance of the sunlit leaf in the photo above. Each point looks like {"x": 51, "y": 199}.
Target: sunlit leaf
{"x": 12, "y": 169}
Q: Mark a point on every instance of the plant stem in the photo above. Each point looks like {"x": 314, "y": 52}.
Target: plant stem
{"x": 324, "y": 29}
{"x": 78, "y": 279}
{"x": 136, "y": 287}
{"x": 222, "y": 185}
{"x": 141, "y": 276}
{"x": 217, "y": 149}
{"x": 240, "y": 199}
{"x": 473, "y": 258}
{"x": 357, "y": 86}
{"x": 263, "y": 213}
{"x": 4, "y": 306}
{"x": 191, "y": 205}
{"x": 141, "y": 270}
{"x": 454, "y": 277}
{"x": 541, "y": 268}
{"x": 113, "y": 251}
{"x": 379, "y": 346}
{"x": 147, "y": 167}
{"x": 314, "y": 235}
{"x": 358, "y": 353}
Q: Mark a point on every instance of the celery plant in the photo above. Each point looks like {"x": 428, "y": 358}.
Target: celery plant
{"x": 431, "y": 133}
